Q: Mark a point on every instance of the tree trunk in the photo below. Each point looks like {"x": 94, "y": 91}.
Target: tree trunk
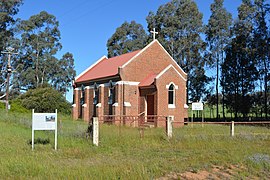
{"x": 217, "y": 85}
{"x": 265, "y": 88}
{"x": 222, "y": 79}
{"x": 37, "y": 78}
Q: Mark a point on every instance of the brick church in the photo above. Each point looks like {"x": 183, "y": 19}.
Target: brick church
{"x": 146, "y": 82}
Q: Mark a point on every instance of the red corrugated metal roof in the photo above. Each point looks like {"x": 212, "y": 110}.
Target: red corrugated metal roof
{"x": 149, "y": 80}
{"x": 106, "y": 67}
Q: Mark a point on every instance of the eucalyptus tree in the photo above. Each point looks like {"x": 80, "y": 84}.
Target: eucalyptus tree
{"x": 218, "y": 36}
{"x": 40, "y": 41}
{"x": 197, "y": 88}
{"x": 239, "y": 67}
{"x": 179, "y": 24}
{"x": 262, "y": 44}
{"x": 128, "y": 37}
{"x": 8, "y": 8}
{"x": 63, "y": 73}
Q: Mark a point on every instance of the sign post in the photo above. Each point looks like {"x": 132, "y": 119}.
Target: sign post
{"x": 44, "y": 121}
{"x": 198, "y": 106}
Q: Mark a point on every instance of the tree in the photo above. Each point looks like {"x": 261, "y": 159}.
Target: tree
{"x": 128, "y": 37}
{"x": 198, "y": 81}
{"x": 44, "y": 100}
{"x": 64, "y": 73}
{"x": 8, "y": 9}
{"x": 179, "y": 24}
{"x": 39, "y": 43}
{"x": 262, "y": 44}
{"x": 238, "y": 69}
{"x": 218, "y": 36}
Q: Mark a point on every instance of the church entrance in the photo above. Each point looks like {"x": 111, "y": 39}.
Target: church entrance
{"x": 150, "y": 105}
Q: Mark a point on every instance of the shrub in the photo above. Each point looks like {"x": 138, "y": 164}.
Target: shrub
{"x": 16, "y": 106}
{"x": 44, "y": 100}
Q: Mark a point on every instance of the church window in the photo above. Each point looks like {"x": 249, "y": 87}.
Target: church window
{"x": 111, "y": 93}
{"x": 82, "y": 95}
{"x": 95, "y": 94}
{"x": 171, "y": 95}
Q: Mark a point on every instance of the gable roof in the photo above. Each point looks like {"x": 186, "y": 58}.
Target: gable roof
{"x": 150, "y": 78}
{"x": 155, "y": 41}
{"x": 105, "y": 67}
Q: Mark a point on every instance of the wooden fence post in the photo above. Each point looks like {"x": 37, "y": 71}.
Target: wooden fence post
{"x": 95, "y": 131}
{"x": 232, "y": 129}
{"x": 169, "y": 126}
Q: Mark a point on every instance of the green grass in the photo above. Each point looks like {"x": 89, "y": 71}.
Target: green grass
{"x": 122, "y": 154}
{"x": 210, "y": 112}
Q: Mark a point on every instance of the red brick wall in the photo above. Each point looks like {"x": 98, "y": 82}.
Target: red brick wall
{"x": 86, "y": 114}
{"x": 131, "y": 95}
{"x": 91, "y": 105}
{"x": 89, "y": 108}
{"x": 118, "y": 99}
{"x": 178, "y": 112}
{"x": 75, "y": 110}
{"x": 153, "y": 60}
{"x": 100, "y": 110}
{"x": 106, "y": 100}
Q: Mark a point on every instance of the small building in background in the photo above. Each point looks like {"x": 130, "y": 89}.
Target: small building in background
{"x": 145, "y": 83}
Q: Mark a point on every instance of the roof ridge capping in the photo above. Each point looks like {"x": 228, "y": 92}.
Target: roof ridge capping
{"x": 91, "y": 66}
{"x": 148, "y": 47}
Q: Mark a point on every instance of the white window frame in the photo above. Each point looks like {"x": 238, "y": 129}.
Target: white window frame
{"x": 175, "y": 87}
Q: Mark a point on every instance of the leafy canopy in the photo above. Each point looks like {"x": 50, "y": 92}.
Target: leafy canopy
{"x": 128, "y": 37}
{"x": 44, "y": 100}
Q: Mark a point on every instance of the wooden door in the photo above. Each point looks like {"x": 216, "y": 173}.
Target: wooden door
{"x": 150, "y": 105}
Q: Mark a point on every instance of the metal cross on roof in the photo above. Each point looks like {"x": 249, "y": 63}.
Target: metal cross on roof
{"x": 154, "y": 33}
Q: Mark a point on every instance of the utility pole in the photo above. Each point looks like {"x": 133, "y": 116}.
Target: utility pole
{"x": 9, "y": 70}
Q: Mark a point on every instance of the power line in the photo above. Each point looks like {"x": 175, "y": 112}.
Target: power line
{"x": 73, "y": 8}
{"x": 88, "y": 12}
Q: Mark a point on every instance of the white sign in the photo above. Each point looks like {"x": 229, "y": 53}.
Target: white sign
{"x": 44, "y": 121}
{"x": 197, "y": 106}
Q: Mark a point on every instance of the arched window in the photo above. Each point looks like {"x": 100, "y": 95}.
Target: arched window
{"x": 82, "y": 100}
{"x": 111, "y": 94}
{"x": 171, "y": 95}
{"x": 96, "y": 94}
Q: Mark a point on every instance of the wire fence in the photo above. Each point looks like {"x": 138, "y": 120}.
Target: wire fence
{"x": 181, "y": 129}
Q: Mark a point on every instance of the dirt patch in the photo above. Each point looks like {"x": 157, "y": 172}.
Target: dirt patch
{"x": 216, "y": 172}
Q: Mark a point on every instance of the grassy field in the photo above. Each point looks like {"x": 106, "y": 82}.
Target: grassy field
{"x": 122, "y": 154}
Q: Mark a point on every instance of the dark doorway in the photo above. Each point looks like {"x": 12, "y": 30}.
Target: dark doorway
{"x": 150, "y": 105}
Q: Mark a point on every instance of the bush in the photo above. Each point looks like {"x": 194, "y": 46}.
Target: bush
{"x": 16, "y": 106}
{"x": 44, "y": 100}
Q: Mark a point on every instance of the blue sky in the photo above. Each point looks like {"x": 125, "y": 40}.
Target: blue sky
{"x": 86, "y": 25}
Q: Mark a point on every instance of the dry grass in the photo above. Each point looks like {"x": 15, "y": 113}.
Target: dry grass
{"x": 123, "y": 155}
